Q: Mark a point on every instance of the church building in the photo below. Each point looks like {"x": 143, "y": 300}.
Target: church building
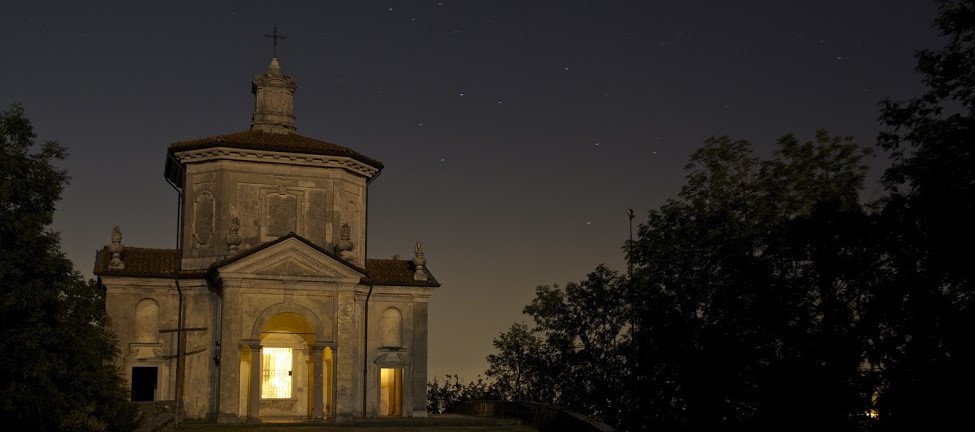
{"x": 269, "y": 308}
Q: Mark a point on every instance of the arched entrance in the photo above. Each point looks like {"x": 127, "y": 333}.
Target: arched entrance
{"x": 285, "y": 374}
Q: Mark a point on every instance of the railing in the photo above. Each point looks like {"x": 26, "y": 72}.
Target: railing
{"x": 544, "y": 417}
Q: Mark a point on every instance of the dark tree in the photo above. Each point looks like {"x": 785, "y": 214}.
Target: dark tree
{"x": 58, "y": 371}
{"x": 926, "y": 312}
{"x": 442, "y": 395}
{"x": 748, "y": 286}
{"x": 743, "y": 307}
{"x": 519, "y": 366}
{"x": 576, "y": 354}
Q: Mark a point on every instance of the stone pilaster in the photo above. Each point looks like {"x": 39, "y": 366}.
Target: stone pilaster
{"x": 318, "y": 384}
{"x": 254, "y": 394}
{"x": 419, "y": 382}
{"x": 345, "y": 359}
{"x": 230, "y": 355}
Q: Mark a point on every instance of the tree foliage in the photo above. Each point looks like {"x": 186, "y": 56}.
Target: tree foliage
{"x": 925, "y": 311}
{"x": 58, "y": 371}
{"x": 744, "y": 289}
{"x": 442, "y": 395}
{"x": 518, "y": 369}
{"x": 767, "y": 296}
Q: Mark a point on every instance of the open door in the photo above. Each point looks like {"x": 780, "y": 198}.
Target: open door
{"x": 391, "y": 392}
{"x": 144, "y": 383}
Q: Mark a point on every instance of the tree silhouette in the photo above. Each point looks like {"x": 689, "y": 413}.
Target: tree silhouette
{"x": 58, "y": 371}
{"x": 925, "y": 312}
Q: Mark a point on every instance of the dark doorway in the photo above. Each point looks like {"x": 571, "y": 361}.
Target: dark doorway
{"x": 144, "y": 383}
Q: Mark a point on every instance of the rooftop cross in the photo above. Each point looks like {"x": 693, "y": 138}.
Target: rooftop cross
{"x": 275, "y": 36}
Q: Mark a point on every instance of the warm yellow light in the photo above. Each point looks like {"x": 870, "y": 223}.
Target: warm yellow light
{"x": 276, "y": 373}
{"x": 390, "y": 392}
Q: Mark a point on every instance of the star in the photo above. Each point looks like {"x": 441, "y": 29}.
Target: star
{"x": 460, "y": 94}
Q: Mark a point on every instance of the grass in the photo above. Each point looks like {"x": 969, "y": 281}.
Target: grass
{"x": 438, "y": 423}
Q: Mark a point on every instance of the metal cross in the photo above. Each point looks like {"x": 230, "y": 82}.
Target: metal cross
{"x": 275, "y": 36}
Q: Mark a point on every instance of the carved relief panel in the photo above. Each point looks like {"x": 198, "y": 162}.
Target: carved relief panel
{"x": 280, "y": 212}
{"x": 204, "y": 218}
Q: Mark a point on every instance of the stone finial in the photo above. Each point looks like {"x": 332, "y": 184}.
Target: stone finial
{"x": 233, "y": 236}
{"x": 420, "y": 261}
{"x": 274, "y": 94}
{"x": 346, "y": 245}
{"x": 116, "y": 249}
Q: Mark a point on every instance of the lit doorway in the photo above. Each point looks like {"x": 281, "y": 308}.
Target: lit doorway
{"x": 391, "y": 392}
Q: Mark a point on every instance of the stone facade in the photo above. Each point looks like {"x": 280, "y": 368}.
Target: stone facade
{"x": 270, "y": 307}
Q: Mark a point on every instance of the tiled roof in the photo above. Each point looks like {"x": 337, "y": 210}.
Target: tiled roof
{"x": 141, "y": 262}
{"x": 283, "y": 142}
{"x": 395, "y": 272}
{"x": 144, "y": 262}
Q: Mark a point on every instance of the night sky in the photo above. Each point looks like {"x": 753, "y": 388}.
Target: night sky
{"x": 515, "y": 134}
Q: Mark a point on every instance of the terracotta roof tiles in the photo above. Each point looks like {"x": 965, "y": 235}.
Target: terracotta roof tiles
{"x": 395, "y": 272}
{"x": 146, "y": 262}
{"x": 140, "y": 262}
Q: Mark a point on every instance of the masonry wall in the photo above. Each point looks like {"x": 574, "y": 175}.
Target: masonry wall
{"x": 145, "y": 344}
{"x": 269, "y": 200}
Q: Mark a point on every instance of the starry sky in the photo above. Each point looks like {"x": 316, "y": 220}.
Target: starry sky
{"x": 515, "y": 134}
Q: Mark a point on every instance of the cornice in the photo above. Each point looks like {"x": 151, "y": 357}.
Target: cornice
{"x": 275, "y": 157}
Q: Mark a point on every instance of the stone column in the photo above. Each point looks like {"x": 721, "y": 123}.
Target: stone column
{"x": 254, "y": 397}
{"x": 318, "y": 385}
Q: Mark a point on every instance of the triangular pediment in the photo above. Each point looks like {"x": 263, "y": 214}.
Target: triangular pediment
{"x": 290, "y": 257}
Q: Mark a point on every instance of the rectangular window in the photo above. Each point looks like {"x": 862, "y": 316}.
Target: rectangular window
{"x": 276, "y": 373}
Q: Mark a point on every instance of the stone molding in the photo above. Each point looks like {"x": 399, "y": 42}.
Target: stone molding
{"x": 268, "y": 156}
